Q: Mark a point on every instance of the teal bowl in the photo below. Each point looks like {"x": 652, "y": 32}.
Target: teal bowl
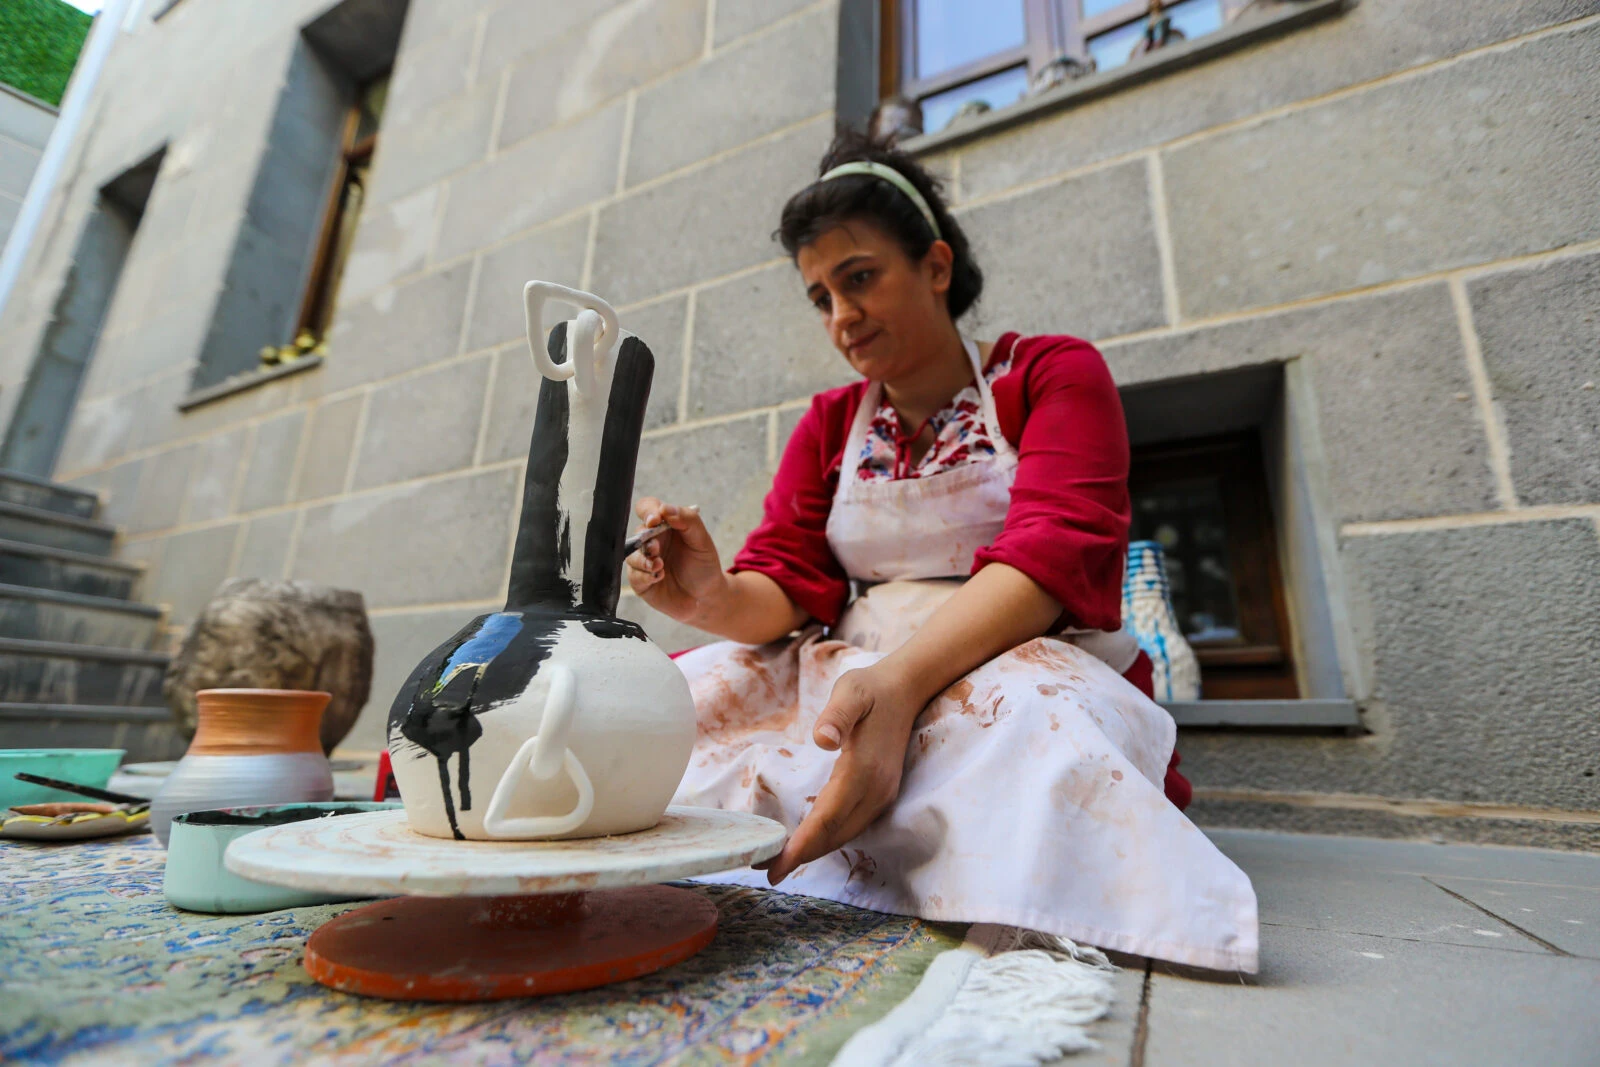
{"x": 81, "y": 766}
{"x": 196, "y": 879}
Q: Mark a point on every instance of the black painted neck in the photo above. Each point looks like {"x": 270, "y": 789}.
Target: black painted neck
{"x": 547, "y": 532}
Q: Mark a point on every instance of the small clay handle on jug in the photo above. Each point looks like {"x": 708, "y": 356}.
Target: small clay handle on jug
{"x": 594, "y": 354}
{"x": 541, "y": 757}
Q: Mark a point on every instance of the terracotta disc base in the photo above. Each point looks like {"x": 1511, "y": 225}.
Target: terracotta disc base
{"x": 491, "y": 948}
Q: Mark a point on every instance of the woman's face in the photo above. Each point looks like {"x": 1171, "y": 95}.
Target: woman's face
{"x": 884, "y": 311}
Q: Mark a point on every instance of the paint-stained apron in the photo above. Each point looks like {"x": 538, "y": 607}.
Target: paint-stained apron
{"x": 1033, "y": 787}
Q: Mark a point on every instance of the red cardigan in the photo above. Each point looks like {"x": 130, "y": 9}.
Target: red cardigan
{"x": 1067, "y": 527}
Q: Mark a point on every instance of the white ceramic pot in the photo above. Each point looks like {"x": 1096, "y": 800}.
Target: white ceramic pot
{"x": 251, "y": 746}
{"x": 555, "y": 718}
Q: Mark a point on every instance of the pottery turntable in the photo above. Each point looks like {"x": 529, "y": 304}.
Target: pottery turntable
{"x": 536, "y": 750}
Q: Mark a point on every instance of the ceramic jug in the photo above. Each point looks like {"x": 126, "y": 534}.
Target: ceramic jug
{"x": 555, "y": 718}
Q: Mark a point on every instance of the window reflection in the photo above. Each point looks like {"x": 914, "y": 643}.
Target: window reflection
{"x": 997, "y": 90}
{"x": 1192, "y": 18}
{"x": 952, "y": 33}
{"x": 1188, "y": 520}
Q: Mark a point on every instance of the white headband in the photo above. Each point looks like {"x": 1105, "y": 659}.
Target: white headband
{"x": 894, "y": 178}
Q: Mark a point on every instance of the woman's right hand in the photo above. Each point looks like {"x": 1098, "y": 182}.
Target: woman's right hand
{"x": 678, "y": 573}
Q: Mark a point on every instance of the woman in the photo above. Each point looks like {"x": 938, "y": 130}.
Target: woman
{"x": 973, "y": 738}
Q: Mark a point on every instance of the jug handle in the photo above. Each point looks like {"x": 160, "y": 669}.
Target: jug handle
{"x": 534, "y": 296}
{"x": 543, "y": 756}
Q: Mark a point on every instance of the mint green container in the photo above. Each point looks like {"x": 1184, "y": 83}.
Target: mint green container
{"x": 82, "y": 766}
{"x": 196, "y": 879}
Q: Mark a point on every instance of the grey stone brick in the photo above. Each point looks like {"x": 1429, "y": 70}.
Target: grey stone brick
{"x": 513, "y": 396}
{"x": 430, "y": 20}
{"x": 450, "y": 135}
{"x": 669, "y": 633}
{"x": 721, "y": 467}
{"x": 430, "y": 71}
{"x": 548, "y": 175}
{"x": 397, "y": 329}
{"x": 272, "y": 460}
{"x": 192, "y": 566}
{"x": 734, "y": 20}
{"x": 514, "y": 30}
{"x": 423, "y": 543}
{"x": 163, "y": 484}
{"x": 422, "y": 425}
{"x": 120, "y": 492}
{"x": 400, "y": 641}
{"x": 1365, "y": 42}
{"x": 216, "y": 473}
{"x": 751, "y": 89}
{"x": 788, "y": 419}
{"x": 330, "y": 444}
{"x": 1400, "y": 433}
{"x": 26, "y": 123}
{"x": 712, "y": 222}
{"x": 1483, "y": 660}
{"x": 1078, "y": 258}
{"x": 266, "y": 546}
{"x": 99, "y": 432}
{"x": 391, "y": 242}
{"x": 1540, "y": 333}
{"x": 1394, "y": 173}
{"x": 661, "y": 325}
{"x": 17, "y": 164}
{"x": 552, "y": 254}
{"x": 629, "y": 45}
{"x": 758, "y": 342}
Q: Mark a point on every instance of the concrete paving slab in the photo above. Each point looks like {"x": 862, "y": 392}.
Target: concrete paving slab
{"x": 1297, "y": 886}
{"x": 1326, "y": 998}
{"x": 1545, "y": 866}
{"x": 1116, "y": 1031}
{"x": 1567, "y": 917}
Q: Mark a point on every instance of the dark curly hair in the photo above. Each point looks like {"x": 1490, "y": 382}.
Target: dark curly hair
{"x": 821, "y": 206}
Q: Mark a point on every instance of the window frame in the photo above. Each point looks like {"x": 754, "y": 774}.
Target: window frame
{"x": 1260, "y": 664}
{"x": 322, "y": 280}
{"x": 1055, "y": 29}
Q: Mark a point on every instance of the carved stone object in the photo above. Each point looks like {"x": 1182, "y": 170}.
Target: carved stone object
{"x": 258, "y": 634}
{"x": 555, "y": 718}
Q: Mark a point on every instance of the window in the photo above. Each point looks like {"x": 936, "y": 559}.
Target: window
{"x": 344, "y": 210}
{"x": 956, "y": 57}
{"x": 1207, "y": 503}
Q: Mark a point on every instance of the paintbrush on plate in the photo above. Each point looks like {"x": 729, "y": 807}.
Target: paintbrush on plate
{"x": 84, "y": 790}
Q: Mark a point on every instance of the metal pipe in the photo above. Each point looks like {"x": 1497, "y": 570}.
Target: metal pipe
{"x": 74, "y": 106}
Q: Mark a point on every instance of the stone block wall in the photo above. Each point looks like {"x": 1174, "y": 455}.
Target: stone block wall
{"x": 25, "y": 125}
{"x": 1397, "y": 205}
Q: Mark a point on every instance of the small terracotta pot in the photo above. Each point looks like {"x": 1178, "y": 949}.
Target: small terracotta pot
{"x": 252, "y": 746}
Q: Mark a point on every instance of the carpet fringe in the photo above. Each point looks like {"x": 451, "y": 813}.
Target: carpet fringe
{"x": 1007, "y": 998}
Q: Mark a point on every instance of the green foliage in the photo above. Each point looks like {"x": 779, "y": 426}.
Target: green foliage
{"x": 39, "y": 43}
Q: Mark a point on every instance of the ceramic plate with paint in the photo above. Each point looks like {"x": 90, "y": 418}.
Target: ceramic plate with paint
{"x": 196, "y": 879}
{"x": 72, "y": 821}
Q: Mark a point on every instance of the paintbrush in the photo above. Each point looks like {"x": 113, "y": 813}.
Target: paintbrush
{"x": 650, "y": 533}
{"x": 82, "y": 790}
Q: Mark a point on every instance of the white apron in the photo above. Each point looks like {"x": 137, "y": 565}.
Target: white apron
{"x": 1033, "y": 788}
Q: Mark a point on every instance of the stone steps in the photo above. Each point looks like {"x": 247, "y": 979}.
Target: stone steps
{"x": 49, "y": 672}
{"x": 65, "y": 571}
{"x": 71, "y": 618}
{"x": 31, "y": 492}
{"x": 147, "y": 733}
{"x": 38, "y": 526}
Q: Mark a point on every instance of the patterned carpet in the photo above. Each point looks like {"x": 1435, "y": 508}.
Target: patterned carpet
{"x": 98, "y": 968}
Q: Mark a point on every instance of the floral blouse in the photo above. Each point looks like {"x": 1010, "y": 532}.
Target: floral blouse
{"x": 959, "y": 437}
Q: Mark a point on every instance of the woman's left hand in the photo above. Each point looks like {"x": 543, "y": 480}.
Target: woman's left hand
{"x": 868, "y": 718}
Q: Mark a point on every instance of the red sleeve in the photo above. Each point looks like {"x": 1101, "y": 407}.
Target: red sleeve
{"x": 791, "y": 544}
{"x": 1067, "y": 527}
